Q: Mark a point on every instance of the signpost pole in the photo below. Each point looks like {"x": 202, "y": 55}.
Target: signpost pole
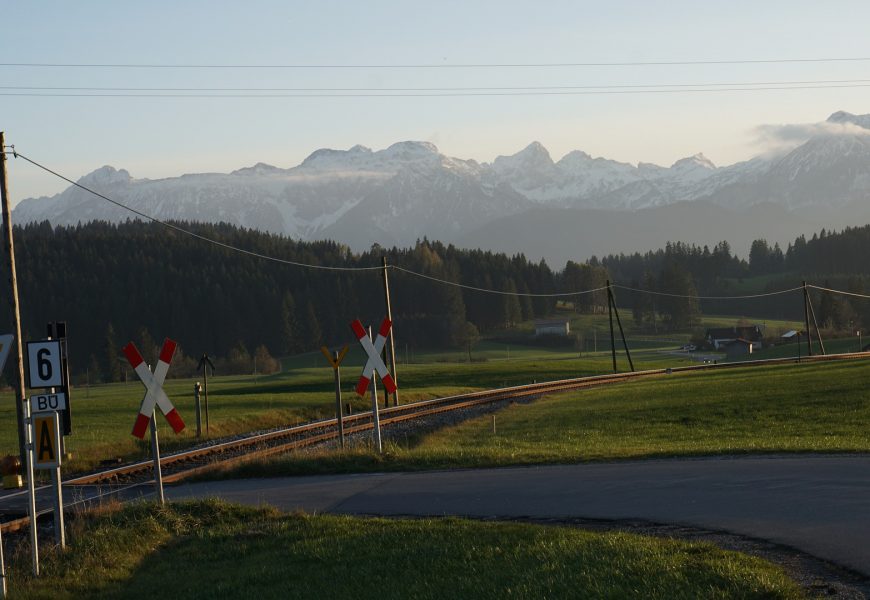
{"x": 59, "y": 528}
{"x": 392, "y": 346}
{"x": 376, "y": 419}
{"x": 196, "y": 395}
{"x": 339, "y": 417}
{"x": 155, "y": 451}
{"x": 205, "y": 392}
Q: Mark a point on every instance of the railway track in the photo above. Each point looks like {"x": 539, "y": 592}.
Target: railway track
{"x": 187, "y": 463}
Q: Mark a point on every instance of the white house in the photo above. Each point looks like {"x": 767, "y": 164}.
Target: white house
{"x": 552, "y": 328}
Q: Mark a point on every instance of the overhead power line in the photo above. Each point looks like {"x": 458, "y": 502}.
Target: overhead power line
{"x": 853, "y": 294}
{"x": 656, "y": 63}
{"x": 500, "y": 292}
{"x": 425, "y": 89}
{"x": 267, "y": 257}
{"x": 281, "y": 260}
{"x": 695, "y": 297}
{"x": 187, "y": 231}
{"x": 437, "y": 94}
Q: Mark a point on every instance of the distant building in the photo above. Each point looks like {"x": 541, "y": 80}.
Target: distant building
{"x": 740, "y": 347}
{"x": 719, "y": 337}
{"x": 552, "y": 328}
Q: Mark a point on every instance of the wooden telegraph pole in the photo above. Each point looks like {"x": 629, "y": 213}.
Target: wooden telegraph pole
{"x": 392, "y": 344}
{"x": 807, "y": 319}
{"x": 22, "y": 407}
{"x": 612, "y": 300}
{"x": 610, "y": 317}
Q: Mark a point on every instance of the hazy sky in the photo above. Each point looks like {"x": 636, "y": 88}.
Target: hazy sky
{"x": 163, "y": 137}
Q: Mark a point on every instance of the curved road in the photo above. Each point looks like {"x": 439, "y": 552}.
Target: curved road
{"x": 817, "y": 504}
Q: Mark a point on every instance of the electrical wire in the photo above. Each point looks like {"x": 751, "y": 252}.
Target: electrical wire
{"x": 191, "y": 233}
{"x": 429, "y": 89}
{"x": 436, "y": 65}
{"x": 436, "y": 94}
{"x": 226, "y": 246}
{"x": 490, "y": 291}
{"x": 692, "y": 297}
{"x": 853, "y": 294}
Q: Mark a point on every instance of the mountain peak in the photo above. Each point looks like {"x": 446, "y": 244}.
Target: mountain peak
{"x": 535, "y": 149}
{"x": 260, "y": 168}
{"x": 842, "y": 117}
{"x": 534, "y": 156}
{"x": 693, "y": 162}
{"x": 106, "y": 175}
{"x": 411, "y": 150}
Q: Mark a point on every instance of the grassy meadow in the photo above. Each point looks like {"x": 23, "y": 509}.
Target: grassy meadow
{"x": 215, "y": 550}
{"x": 103, "y": 415}
{"x": 819, "y": 407}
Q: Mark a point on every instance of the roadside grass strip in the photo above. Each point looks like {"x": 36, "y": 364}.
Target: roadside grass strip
{"x": 211, "y": 549}
{"x": 785, "y": 408}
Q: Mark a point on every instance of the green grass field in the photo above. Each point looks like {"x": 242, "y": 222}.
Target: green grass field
{"x": 821, "y": 407}
{"x": 103, "y": 415}
{"x": 215, "y": 550}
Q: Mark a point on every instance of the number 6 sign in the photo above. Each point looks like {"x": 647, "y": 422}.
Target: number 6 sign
{"x": 44, "y": 364}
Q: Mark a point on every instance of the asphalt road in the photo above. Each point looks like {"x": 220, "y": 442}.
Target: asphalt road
{"x": 817, "y": 504}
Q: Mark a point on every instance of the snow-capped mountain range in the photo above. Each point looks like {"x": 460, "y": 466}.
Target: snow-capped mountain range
{"x": 411, "y": 190}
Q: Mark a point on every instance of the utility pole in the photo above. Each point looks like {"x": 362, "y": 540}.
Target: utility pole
{"x": 392, "y": 346}
{"x": 610, "y": 316}
{"x": 807, "y": 319}
{"x": 22, "y": 407}
{"x": 612, "y": 300}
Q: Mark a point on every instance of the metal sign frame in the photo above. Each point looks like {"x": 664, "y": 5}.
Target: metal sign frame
{"x": 374, "y": 362}
{"x": 38, "y": 422}
{"x": 38, "y": 361}
{"x": 47, "y": 402}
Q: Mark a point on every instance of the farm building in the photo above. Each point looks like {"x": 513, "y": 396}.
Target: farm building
{"x": 552, "y": 328}
{"x": 719, "y": 337}
{"x": 740, "y": 347}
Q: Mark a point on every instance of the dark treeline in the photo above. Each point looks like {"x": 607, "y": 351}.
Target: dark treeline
{"x": 828, "y": 259}
{"x": 143, "y": 282}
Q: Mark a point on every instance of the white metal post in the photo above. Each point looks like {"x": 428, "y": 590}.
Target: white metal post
{"x": 376, "y": 420}
{"x": 59, "y": 526}
{"x": 31, "y": 489}
{"x": 155, "y": 451}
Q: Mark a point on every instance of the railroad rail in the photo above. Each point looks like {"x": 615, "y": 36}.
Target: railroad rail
{"x": 190, "y": 462}
{"x": 194, "y": 461}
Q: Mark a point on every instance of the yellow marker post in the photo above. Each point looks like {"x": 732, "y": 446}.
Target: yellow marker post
{"x": 46, "y": 441}
{"x": 335, "y": 359}
{"x": 47, "y": 454}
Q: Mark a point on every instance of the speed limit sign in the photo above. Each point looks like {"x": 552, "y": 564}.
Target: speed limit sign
{"x": 44, "y": 364}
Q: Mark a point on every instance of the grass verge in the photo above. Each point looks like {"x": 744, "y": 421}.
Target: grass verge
{"x": 211, "y": 549}
{"x": 820, "y": 407}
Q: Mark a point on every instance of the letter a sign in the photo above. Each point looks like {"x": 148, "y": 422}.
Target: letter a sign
{"x": 46, "y": 441}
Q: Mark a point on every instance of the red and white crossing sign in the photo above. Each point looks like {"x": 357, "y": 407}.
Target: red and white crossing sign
{"x": 375, "y": 362}
{"x": 154, "y": 386}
